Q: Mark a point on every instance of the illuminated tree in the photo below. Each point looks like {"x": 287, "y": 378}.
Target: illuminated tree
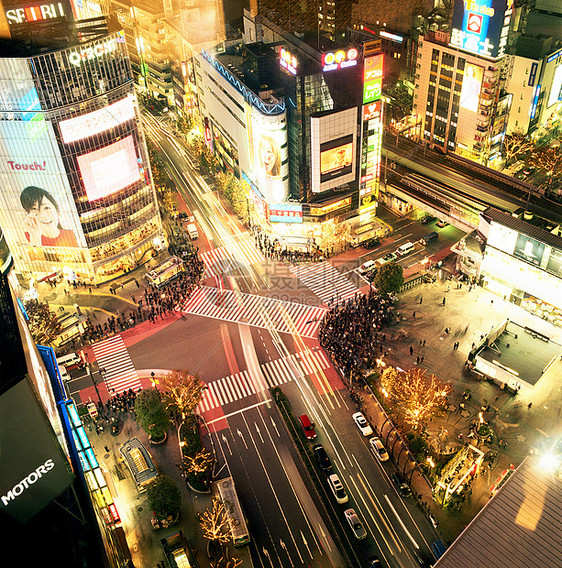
{"x": 516, "y": 144}
{"x": 201, "y": 462}
{"x": 214, "y": 523}
{"x": 415, "y": 393}
{"x": 549, "y": 158}
{"x": 226, "y": 562}
{"x": 43, "y": 323}
{"x": 183, "y": 391}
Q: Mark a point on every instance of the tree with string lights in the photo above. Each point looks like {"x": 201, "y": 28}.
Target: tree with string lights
{"x": 214, "y": 524}
{"x": 414, "y": 393}
{"x": 182, "y": 391}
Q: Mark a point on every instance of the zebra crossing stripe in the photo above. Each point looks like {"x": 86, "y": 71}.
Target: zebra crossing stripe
{"x": 249, "y": 381}
{"x": 255, "y": 310}
{"x": 220, "y": 260}
{"x": 325, "y": 281}
{"x": 120, "y": 374}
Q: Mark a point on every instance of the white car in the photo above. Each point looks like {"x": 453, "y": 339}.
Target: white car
{"x": 337, "y": 488}
{"x": 355, "y": 524}
{"x": 367, "y": 267}
{"x": 362, "y": 424}
{"x": 378, "y": 449}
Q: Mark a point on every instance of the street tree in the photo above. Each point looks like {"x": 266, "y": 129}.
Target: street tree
{"x": 214, "y": 524}
{"x": 225, "y": 562}
{"x": 414, "y": 393}
{"x": 182, "y": 391}
{"x": 201, "y": 462}
{"x": 44, "y": 324}
{"x": 515, "y": 145}
{"x": 151, "y": 413}
{"x": 164, "y": 497}
{"x": 549, "y": 158}
{"x": 389, "y": 278}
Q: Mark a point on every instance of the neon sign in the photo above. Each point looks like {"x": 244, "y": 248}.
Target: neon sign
{"x": 339, "y": 59}
{"x": 92, "y": 52}
{"x": 372, "y": 79}
{"x": 288, "y": 61}
{"x": 35, "y": 13}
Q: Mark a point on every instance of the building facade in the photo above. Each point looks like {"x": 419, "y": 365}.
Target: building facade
{"x": 306, "y": 105}
{"x": 78, "y": 196}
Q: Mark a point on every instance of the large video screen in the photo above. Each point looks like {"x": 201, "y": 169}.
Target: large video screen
{"x": 471, "y": 83}
{"x": 529, "y": 249}
{"x": 336, "y": 158}
{"x": 109, "y": 169}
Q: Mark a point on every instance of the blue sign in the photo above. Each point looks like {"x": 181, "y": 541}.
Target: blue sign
{"x": 481, "y": 26}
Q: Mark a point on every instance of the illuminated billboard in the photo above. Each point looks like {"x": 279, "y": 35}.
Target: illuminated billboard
{"x": 372, "y": 78}
{"x": 22, "y": 12}
{"x": 288, "y": 61}
{"x": 98, "y": 121}
{"x": 267, "y": 141}
{"x": 285, "y": 213}
{"x": 109, "y": 169}
{"x": 471, "y": 84}
{"x": 481, "y": 26}
{"x": 341, "y": 59}
{"x": 529, "y": 249}
{"x": 333, "y": 146}
{"x": 37, "y": 210}
{"x": 556, "y": 87}
{"x": 336, "y": 158}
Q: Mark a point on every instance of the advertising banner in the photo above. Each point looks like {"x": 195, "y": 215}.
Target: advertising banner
{"x": 471, "y": 84}
{"x": 481, "y": 26}
{"x": 267, "y": 141}
{"x": 109, "y": 169}
{"x": 37, "y": 210}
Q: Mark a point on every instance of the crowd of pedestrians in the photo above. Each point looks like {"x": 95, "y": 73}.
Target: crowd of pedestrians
{"x": 114, "y": 411}
{"x": 272, "y": 248}
{"x": 353, "y": 332}
{"x": 154, "y": 303}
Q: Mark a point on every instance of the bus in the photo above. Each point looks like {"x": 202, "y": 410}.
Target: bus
{"x": 234, "y": 514}
{"x": 165, "y": 272}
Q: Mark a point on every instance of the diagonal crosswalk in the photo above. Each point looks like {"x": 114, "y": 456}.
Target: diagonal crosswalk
{"x": 249, "y": 382}
{"x": 112, "y": 356}
{"x": 221, "y": 260}
{"x": 325, "y": 281}
{"x": 254, "y": 310}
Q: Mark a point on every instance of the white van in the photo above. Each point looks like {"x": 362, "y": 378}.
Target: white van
{"x": 69, "y": 360}
{"x": 192, "y": 231}
{"x": 405, "y": 249}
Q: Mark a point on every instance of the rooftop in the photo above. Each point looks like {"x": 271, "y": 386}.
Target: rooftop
{"x": 520, "y": 527}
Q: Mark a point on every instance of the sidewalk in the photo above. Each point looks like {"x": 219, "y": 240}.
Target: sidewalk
{"x": 467, "y": 314}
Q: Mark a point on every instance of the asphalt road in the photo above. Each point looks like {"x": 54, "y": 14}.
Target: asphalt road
{"x": 291, "y": 524}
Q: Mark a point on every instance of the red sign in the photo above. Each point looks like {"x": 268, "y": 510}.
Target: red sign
{"x": 372, "y": 110}
{"x": 35, "y": 13}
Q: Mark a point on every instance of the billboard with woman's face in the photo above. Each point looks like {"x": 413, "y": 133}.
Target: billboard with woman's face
{"x": 267, "y": 141}
{"x": 37, "y": 210}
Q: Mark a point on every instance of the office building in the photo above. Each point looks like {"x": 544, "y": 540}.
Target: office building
{"x": 78, "y": 199}
{"x": 309, "y": 107}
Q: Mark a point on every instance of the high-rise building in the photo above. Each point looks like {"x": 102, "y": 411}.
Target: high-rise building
{"x": 78, "y": 198}
{"x": 460, "y": 76}
{"x": 46, "y": 513}
{"x": 301, "y": 127}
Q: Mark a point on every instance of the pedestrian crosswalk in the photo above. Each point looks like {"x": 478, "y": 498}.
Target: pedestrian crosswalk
{"x": 221, "y": 260}
{"x": 254, "y": 310}
{"x": 325, "y": 281}
{"x": 115, "y": 365}
{"x": 271, "y": 374}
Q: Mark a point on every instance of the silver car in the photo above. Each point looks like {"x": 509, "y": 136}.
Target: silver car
{"x": 355, "y": 524}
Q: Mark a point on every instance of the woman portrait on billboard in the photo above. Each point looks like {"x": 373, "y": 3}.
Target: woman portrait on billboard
{"x": 269, "y": 156}
{"x": 42, "y": 225}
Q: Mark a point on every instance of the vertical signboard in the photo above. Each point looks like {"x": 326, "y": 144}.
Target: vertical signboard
{"x": 267, "y": 142}
{"x": 37, "y": 210}
{"x": 481, "y": 26}
{"x": 371, "y": 142}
